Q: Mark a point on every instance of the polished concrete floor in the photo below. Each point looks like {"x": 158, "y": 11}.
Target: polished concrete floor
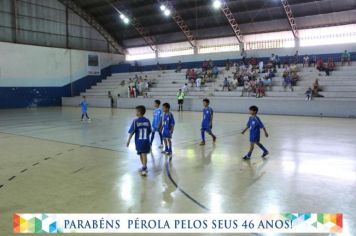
{"x": 51, "y": 162}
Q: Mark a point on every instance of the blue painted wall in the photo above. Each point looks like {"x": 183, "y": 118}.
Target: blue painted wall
{"x": 17, "y": 97}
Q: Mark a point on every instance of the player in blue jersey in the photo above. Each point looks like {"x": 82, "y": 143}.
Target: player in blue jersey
{"x": 207, "y": 122}
{"x": 157, "y": 122}
{"x": 167, "y": 128}
{"x": 141, "y": 128}
{"x": 84, "y": 106}
{"x": 255, "y": 125}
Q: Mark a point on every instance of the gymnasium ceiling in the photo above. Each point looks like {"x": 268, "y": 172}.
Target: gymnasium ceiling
{"x": 253, "y": 16}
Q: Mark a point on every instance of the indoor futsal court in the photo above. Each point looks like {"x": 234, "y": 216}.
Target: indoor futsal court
{"x": 178, "y": 117}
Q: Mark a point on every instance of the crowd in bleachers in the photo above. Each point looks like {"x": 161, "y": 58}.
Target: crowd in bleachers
{"x": 138, "y": 86}
{"x": 253, "y": 76}
{"x": 198, "y": 77}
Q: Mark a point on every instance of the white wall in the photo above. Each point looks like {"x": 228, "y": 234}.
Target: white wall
{"x": 256, "y": 53}
{"x": 35, "y": 66}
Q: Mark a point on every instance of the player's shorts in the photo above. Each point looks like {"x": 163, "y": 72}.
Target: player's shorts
{"x": 207, "y": 129}
{"x": 155, "y": 130}
{"x": 180, "y": 101}
{"x": 143, "y": 152}
{"x": 254, "y": 138}
{"x": 166, "y": 134}
{"x": 143, "y": 149}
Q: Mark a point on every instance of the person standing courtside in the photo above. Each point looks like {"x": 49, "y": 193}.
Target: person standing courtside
{"x": 180, "y": 97}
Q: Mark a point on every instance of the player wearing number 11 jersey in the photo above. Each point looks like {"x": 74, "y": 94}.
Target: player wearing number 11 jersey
{"x": 141, "y": 128}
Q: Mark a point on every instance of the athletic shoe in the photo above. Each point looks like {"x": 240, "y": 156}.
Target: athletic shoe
{"x": 202, "y": 143}
{"x": 246, "y": 158}
{"x": 89, "y": 120}
{"x": 144, "y": 173}
{"x": 214, "y": 139}
{"x": 160, "y": 146}
{"x": 265, "y": 154}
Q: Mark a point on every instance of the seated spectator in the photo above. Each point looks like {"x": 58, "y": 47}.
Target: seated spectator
{"x": 253, "y": 62}
{"x": 312, "y": 61}
{"x": 331, "y": 65}
{"x": 346, "y": 58}
{"x": 131, "y": 92}
{"x": 305, "y": 61}
{"x": 227, "y": 65}
{"x": 179, "y": 67}
{"x": 210, "y": 64}
{"x": 260, "y": 67}
{"x": 287, "y": 82}
{"x": 146, "y": 85}
{"x": 243, "y": 56}
{"x": 293, "y": 68}
{"x": 317, "y": 89}
{"x": 286, "y": 62}
{"x": 260, "y": 89}
{"x": 246, "y": 88}
{"x": 272, "y": 59}
{"x": 234, "y": 84}
{"x": 320, "y": 66}
{"x": 185, "y": 88}
{"x": 267, "y": 82}
{"x": 253, "y": 85}
{"x": 198, "y": 83}
{"x": 296, "y": 57}
{"x": 205, "y": 66}
{"x": 226, "y": 84}
{"x": 192, "y": 75}
{"x": 215, "y": 72}
{"x": 187, "y": 74}
{"x": 295, "y": 78}
{"x": 278, "y": 61}
{"x": 308, "y": 94}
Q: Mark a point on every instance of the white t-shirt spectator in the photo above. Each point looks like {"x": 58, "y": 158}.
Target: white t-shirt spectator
{"x": 185, "y": 88}
{"x": 260, "y": 66}
{"x": 198, "y": 82}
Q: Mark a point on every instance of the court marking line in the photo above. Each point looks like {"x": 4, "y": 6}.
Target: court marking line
{"x": 57, "y": 141}
{"x": 11, "y": 178}
{"x": 76, "y": 171}
{"x": 168, "y": 172}
{"x": 184, "y": 145}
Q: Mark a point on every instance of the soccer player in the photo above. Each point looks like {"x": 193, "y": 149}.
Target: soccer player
{"x": 141, "y": 128}
{"x": 157, "y": 122}
{"x": 207, "y": 122}
{"x": 167, "y": 128}
{"x": 255, "y": 124}
{"x": 84, "y": 106}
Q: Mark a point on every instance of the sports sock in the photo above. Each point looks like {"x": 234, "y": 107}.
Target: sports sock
{"x": 262, "y": 147}
{"x": 203, "y": 135}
